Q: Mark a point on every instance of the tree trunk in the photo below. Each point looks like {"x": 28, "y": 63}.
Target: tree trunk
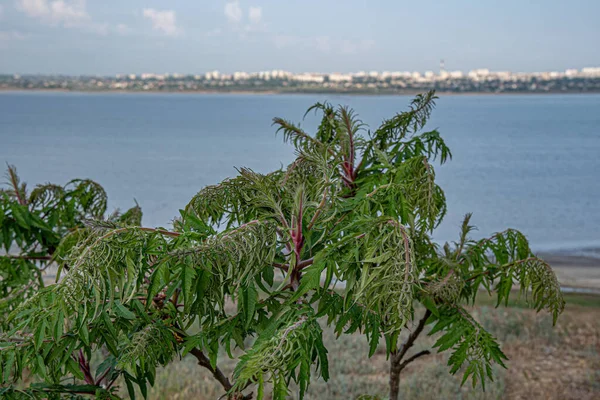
{"x": 396, "y": 364}
{"x": 394, "y": 377}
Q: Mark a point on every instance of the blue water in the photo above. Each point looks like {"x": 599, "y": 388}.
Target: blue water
{"x": 524, "y": 161}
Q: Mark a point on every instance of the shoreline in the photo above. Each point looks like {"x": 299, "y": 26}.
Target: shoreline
{"x": 574, "y": 270}
{"x": 280, "y": 92}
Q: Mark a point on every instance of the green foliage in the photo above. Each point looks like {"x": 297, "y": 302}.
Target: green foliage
{"x": 470, "y": 344}
{"x": 38, "y": 228}
{"x": 284, "y": 350}
{"x": 354, "y": 207}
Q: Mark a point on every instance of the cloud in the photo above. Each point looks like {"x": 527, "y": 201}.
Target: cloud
{"x": 255, "y": 15}
{"x": 122, "y": 29}
{"x": 1, "y": 10}
{"x": 233, "y": 11}
{"x": 34, "y": 8}
{"x": 235, "y": 16}
{"x": 163, "y": 21}
{"x": 68, "y": 13}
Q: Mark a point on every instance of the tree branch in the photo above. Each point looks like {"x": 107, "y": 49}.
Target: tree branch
{"x": 413, "y": 358}
{"x": 411, "y": 339}
{"x": 14, "y": 181}
{"x": 305, "y": 263}
{"x": 283, "y": 267}
{"x": 161, "y": 231}
{"x": 217, "y": 373}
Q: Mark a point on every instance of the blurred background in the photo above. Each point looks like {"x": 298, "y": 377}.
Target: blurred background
{"x": 155, "y": 100}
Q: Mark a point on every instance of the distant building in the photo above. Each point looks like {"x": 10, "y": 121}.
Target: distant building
{"x": 309, "y": 77}
{"x": 571, "y": 72}
{"x": 591, "y": 71}
{"x": 336, "y": 77}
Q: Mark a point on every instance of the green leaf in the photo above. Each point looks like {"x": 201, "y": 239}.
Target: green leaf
{"x": 40, "y": 333}
{"x": 129, "y": 384}
{"x": 430, "y": 305}
{"x": 84, "y": 335}
{"x": 374, "y": 341}
{"x": 311, "y": 279}
{"x": 249, "y": 297}
{"x": 21, "y": 215}
{"x": 41, "y": 365}
{"x": 187, "y": 277}
{"x": 122, "y": 311}
{"x": 268, "y": 275}
{"x": 73, "y": 367}
{"x": 8, "y": 366}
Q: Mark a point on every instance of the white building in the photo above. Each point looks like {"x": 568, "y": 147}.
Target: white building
{"x": 591, "y": 71}
{"x": 571, "y": 72}
{"x": 337, "y": 77}
{"x": 211, "y": 75}
{"x": 309, "y": 77}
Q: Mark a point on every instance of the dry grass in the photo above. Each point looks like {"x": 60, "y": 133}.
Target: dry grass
{"x": 546, "y": 362}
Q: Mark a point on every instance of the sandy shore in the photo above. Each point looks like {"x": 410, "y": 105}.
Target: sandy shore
{"x": 574, "y": 270}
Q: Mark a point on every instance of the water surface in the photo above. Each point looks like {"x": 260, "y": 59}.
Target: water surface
{"x": 525, "y": 161}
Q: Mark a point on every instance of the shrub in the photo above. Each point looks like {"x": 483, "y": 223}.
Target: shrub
{"x": 355, "y": 207}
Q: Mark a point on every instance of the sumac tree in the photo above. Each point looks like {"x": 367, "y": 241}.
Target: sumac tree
{"x": 339, "y": 239}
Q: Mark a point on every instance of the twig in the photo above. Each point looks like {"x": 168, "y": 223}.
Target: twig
{"x": 217, "y": 373}
{"x": 284, "y": 267}
{"x": 413, "y": 358}
{"x": 412, "y": 337}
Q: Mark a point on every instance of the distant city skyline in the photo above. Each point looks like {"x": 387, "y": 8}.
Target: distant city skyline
{"x": 481, "y": 80}
{"x": 182, "y": 36}
{"x": 441, "y": 72}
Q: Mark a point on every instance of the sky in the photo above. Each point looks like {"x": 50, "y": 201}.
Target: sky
{"x": 107, "y": 37}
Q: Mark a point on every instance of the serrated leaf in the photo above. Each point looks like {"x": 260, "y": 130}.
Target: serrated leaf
{"x": 122, "y": 311}
{"x": 250, "y": 296}
{"x": 20, "y": 214}
{"x": 187, "y": 278}
{"x": 39, "y": 335}
{"x": 310, "y": 280}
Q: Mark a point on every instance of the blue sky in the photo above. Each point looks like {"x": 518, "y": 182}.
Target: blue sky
{"x": 193, "y": 36}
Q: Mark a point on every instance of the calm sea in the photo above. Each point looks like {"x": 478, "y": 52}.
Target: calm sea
{"x": 525, "y": 161}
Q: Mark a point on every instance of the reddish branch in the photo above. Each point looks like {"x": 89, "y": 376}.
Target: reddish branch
{"x": 284, "y": 267}
{"x": 301, "y": 264}
{"x": 15, "y": 184}
{"x": 161, "y": 231}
